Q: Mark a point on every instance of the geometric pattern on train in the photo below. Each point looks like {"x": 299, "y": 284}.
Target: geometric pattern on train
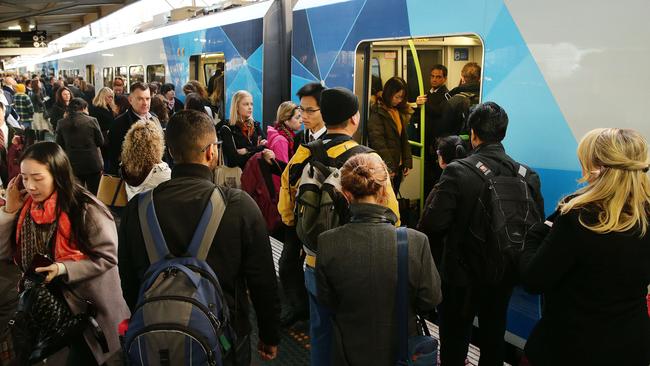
{"x": 241, "y": 44}
{"x": 326, "y": 37}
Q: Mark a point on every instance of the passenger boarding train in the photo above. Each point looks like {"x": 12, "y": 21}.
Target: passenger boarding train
{"x": 559, "y": 68}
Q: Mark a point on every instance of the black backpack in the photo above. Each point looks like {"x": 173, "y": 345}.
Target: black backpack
{"x": 320, "y": 205}
{"x": 504, "y": 212}
{"x": 461, "y": 104}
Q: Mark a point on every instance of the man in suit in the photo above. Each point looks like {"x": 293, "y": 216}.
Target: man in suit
{"x": 315, "y": 128}
{"x": 438, "y": 122}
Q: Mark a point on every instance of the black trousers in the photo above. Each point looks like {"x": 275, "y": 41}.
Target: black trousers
{"x": 292, "y": 275}
{"x": 90, "y": 181}
{"x": 9, "y": 277}
{"x": 457, "y": 311}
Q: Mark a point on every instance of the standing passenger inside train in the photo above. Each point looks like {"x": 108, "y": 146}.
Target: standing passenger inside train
{"x": 242, "y": 136}
{"x": 169, "y": 92}
{"x": 143, "y": 167}
{"x": 84, "y": 244}
{"x": 81, "y": 138}
{"x": 387, "y": 130}
{"x": 102, "y": 109}
{"x": 312, "y": 118}
{"x": 591, "y": 260}
{"x": 118, "y": 86}
{"x": 465, "y": 293}
{"x": 62, "y": 99}
{"x": 241, "y": 252}
{"x": 356, "y": 273}
{"x": 139, "y": 101}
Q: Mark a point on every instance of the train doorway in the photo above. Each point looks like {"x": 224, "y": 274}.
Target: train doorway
{"x": 412, "y": 60}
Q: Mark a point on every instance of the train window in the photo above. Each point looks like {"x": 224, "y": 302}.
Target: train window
{"x": 74, "y": 72}
{"x": 121, "y": 71}
{"x": 205, "y": 65}
{"x": 156, "y": 73}
{"x": 51, "y": 71}
{"x": 412, "y": 60}
{"x": 136, "y": 74}
{"x": 107, "y": 75}
{"x": 90, "y": 74}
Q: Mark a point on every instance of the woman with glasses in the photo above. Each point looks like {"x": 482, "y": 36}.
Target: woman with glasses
{"x": 242, "y": 136}
{"x": 591, "y": 260}
{"x": 143, "y": 167}
{"x": 387, "y": 130}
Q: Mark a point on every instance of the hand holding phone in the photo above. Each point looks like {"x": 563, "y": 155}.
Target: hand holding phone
{"x": 36, "y": 271}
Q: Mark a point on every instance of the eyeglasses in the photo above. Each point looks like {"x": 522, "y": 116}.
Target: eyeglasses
{"x": 308, "y": 110}
{"x": 210, "y": 144}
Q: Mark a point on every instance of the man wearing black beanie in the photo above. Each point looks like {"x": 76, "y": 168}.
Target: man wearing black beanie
{"x": 339, "y": 108}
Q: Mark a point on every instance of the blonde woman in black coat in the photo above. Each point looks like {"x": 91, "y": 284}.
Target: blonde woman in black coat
{"x": 356, "y": 270}
{"x": 591, "y": 260}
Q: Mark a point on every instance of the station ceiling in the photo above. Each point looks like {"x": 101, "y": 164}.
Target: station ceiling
{"x": 57, "y": 18}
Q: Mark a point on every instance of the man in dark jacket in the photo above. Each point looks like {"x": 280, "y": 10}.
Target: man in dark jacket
{"x": 448, "y": 216}
{"x": 464, "y": 96}
{"x": 241, "y": 252}
{"x": 140, "y": 100}
{"x": 438, "y": 122}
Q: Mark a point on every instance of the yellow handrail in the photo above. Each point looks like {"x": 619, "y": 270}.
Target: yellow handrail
{"x": 418, "y": 71}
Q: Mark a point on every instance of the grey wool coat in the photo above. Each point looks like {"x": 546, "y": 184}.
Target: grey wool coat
{"x": 96, "y": 279}
{"x": 356, "y": 272}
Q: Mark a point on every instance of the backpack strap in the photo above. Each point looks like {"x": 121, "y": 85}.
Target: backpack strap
{"x": 154, "y": 240}
{"x": 354, "y": 150}
{"x": 402, "y": 294}
{"x": 477, "y": 167}
{"x": 207, "y": 227}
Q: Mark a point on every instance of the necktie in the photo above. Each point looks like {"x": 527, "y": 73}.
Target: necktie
{"x": 2, "y": 139}
{"x": 311, "y": 138}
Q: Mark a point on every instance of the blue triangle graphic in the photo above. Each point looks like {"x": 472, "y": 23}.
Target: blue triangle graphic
{"x": 300, "y": 70}
{"x": 245, "y": 36}
{"x": 245, "y": 81}
{"x": 330, "y": 25}
{"x": 303, "y": 44}
{"x": 296, "y": 83}
{"x": 256, "y": 60}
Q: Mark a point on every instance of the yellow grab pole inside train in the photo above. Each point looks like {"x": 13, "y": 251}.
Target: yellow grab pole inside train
{"x": 421, "y": 144}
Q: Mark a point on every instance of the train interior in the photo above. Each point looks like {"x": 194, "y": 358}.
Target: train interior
{"x": 412, "y": 60}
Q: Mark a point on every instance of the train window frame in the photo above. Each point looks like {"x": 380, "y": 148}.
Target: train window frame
{"x": 108, "y": 81}
{"x": 131, "y": 81}
{"x": 155, "y": 72}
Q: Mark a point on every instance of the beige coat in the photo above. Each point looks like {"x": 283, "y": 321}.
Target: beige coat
{"x": 96, "y": 279}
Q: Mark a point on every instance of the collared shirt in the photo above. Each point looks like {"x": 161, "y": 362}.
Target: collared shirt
{"x": 432, "y": 90}
{"x": 145, "y": 117}
{"x": 316, "y": 135}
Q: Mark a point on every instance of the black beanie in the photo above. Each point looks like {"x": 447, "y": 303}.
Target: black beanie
{"x": 338, "y": 105}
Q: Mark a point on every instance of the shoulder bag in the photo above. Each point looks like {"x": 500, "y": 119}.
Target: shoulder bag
{"x": 112, "y": 191}
{"x": 419, "y": 350}
{"x": 224, "y": 175}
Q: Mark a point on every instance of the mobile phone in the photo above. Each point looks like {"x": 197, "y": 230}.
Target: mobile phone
{"x": 39, "y": 260}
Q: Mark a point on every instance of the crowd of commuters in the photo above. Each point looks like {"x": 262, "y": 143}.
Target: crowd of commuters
{"x": 590, "y": 259}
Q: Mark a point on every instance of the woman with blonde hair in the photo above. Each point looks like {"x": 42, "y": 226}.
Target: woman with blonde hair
{"x": 355, "y": 271}
{"x": 242, "y": 136}
{"x": 142, "y": 152}
{"x": 282, "y": 134}
{"x": 591, "y": 260}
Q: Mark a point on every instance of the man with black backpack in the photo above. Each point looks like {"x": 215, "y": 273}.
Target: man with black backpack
{"x": 311, "y": 201}
{"x": 463, "y": 97}
{"x": 483, "y": 207}
{"x": 190, "y": 254}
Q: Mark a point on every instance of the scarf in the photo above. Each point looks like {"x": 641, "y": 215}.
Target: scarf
{"x": 247, "y": 129}
{"x": 43, "y": 213}
{"x": 287, "y": 133}
{"x": 394, "y": 115}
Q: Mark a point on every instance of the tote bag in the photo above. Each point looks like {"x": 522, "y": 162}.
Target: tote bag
{"x": 112, "y": 191}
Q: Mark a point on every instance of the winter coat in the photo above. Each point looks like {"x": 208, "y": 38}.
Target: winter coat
{"x": 79, "y": 135}
{"x": 95, "y": 279}
{"x": 383, "y": 137}
{"x": 357, "y": 280}
{"x": 234, "y": 139}
{"x": 279, "y": 144}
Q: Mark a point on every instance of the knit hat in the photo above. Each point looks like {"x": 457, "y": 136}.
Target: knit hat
{"x": 338, "y": 105}
{"x": 20, "y": 88}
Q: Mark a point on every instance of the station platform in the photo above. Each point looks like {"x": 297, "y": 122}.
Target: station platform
{"x": 294, "y": 346}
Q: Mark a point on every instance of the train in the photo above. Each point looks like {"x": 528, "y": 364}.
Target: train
{"x": 559, "y": 69}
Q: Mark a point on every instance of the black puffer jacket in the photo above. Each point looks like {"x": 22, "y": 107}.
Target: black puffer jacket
{"x": 451, "y": 203}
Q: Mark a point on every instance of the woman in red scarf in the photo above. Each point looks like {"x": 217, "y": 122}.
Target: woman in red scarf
{"x": 242, "y": 136}
{"x": 57, "y": 217}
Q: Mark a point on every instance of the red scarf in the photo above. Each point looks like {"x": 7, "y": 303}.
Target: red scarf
{"x": 45, "y": 213}
{"x": 247, "y": 129}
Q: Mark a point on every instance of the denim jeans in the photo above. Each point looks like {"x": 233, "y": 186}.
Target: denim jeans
{"x": 320, "y": 324}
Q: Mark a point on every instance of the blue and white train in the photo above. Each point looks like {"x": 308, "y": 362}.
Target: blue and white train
{"x": 559, "y": 68}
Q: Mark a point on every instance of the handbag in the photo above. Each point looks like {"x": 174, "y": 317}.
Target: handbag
{"x": 224, "y": 175}
{"x": 112, "y": 191}
{"x": 419, "y": 350}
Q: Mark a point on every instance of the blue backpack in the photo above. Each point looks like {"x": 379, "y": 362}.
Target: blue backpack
{"x": 181, "y": 317}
